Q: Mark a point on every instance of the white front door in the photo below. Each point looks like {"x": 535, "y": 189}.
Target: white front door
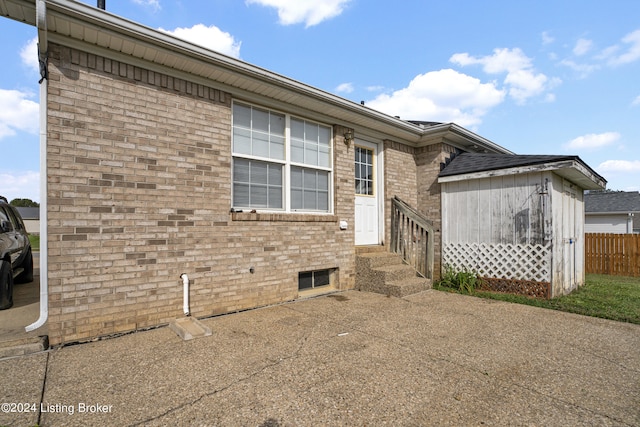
{"x": 366, "y": 189}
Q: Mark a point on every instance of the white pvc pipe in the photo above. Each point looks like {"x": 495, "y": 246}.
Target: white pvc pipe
{"x": 185, "y": 283}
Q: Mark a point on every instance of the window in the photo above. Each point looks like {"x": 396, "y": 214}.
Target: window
{"x": 314, "y": 279}
{"x": 364, "y": 171}
{"x": 280, "y": 162}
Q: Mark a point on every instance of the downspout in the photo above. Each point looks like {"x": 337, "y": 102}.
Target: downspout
{"x": 43, "y": 49}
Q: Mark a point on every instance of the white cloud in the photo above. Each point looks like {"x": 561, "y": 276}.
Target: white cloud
{"x": 153, "y": 4}
{"x": 375, "y": 88}
{"x": 345, "y": 88}
{"x": 620, "y": 166}
{"x": 592, "y": 141}
{"x": 547, "y": 38}
{"x": 522, "y": 80}
{"x": 29, "y": 55}
{"x": 445, "y": 96}
{"x": 17, "y": 113}
{"x": 582, "y": 69}
{"x": 20, "y": 185}
{"x": 616, "y": 55}
{"x": 582, "y": 47}
{"x": 210, "y": 37}
{"x": 311, "y": 12}
{"x": 636, "y": 101}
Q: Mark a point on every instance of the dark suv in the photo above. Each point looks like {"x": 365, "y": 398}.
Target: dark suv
{"x": 16, "y": 259}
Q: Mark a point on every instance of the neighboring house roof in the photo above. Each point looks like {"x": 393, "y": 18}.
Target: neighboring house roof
{"x": 612, "y": 202}
{"x": 71, "y": 22}
{"x": 29, "y": 212}
{"x": 476, "y": 165}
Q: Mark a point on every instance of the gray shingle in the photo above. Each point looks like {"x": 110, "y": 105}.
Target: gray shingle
{"x": 619, "y": 201}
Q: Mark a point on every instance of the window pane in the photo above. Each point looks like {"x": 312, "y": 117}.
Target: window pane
{"x": 310, "y": 154}
{"x": 297, "y": 129}
{"x": 241, "y": 116}
{"x": 323, "y": 181}
{"x": 310, "y": 180}
{"x": 320, "y": 278}
{"x": 311, "y": 132}
{"x": 323, "y": 201}
{"x": 275, "y": 197}
{"x": 258, "y": 196}
{"x": 310, "y": 200}
{"x": 260, "y": 120}
{"x": 324, "y": 158}
{"x": 277, "y": 124}
{"x": 241, "y": 170}
{"x": 305, "y": 280}
{"x": 260, "y": 144}
{"x": 275, "y": 175}
{"x": 296, "y": 199}
{"x": 241, "y": 141}
{"x": 324, "y": 136}
{"x": 241, "y": 195}
{"x": 277, "y": 148}
{"x": 297, "y": 151}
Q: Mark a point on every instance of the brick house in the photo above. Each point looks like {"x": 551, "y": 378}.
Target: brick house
{"x": 163, "y": 158}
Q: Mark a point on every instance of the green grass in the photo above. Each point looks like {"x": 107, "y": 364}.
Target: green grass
{"x": 609, "y": 297}
{"x": 35, "y": 242}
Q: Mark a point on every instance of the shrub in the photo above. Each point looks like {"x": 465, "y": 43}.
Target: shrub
{"x": 465, "y": 280}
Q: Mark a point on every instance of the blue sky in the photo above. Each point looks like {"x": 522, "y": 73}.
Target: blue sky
{"x": 537, "y": 77}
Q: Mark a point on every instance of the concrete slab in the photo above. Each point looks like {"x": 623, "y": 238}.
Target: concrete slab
{"x": 189, "y": 328}
{"x": 351, "y": 358}
{"x": 14, "y": 340}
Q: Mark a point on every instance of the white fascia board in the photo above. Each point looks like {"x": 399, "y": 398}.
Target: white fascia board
{"x": 460, "y": 137}
{"x": 569, "y": 169}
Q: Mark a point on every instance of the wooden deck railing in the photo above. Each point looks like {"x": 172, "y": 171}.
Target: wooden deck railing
{"x": 615, "y": 254}
{"x": 412, "y": 237}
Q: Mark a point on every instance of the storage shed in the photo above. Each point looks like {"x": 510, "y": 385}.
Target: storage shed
{"x": 517, "y": 220}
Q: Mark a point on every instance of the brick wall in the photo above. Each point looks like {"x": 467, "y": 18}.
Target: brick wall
{"x": 428, "y": 160}
{"x": 139, "y": 171}
{"x": 400, "y": 174}
{"x": 412, "y": 175}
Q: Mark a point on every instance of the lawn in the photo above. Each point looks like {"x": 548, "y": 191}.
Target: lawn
{"x": 35, "y": 242}
{"x": 609, "y": 297}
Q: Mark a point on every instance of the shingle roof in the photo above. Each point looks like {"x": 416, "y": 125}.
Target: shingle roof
{"x": 479, "y": 162}
{"x": 29, "y": 212}
{"x": 619, "y": 201}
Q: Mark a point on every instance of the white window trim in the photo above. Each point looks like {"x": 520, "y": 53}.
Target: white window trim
{"x": 287, "y": 163}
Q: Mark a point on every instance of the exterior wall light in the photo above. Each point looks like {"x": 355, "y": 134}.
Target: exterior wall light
{"x": 348, "y": 137}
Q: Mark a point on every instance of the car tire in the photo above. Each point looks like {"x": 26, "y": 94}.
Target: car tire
{"x": 27, "y": 265}
{"x": 6, "y": 285}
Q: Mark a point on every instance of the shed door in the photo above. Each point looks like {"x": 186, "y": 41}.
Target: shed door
{"x": 366, "y": 215}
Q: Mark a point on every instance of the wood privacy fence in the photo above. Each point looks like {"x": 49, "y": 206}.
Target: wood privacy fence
{"x": 615, "y": 254}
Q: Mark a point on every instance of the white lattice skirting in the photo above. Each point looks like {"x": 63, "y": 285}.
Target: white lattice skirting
{"x": 505, "y": 261}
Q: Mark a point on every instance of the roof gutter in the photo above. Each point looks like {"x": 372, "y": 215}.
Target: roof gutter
{"x": 461, "y": 137}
